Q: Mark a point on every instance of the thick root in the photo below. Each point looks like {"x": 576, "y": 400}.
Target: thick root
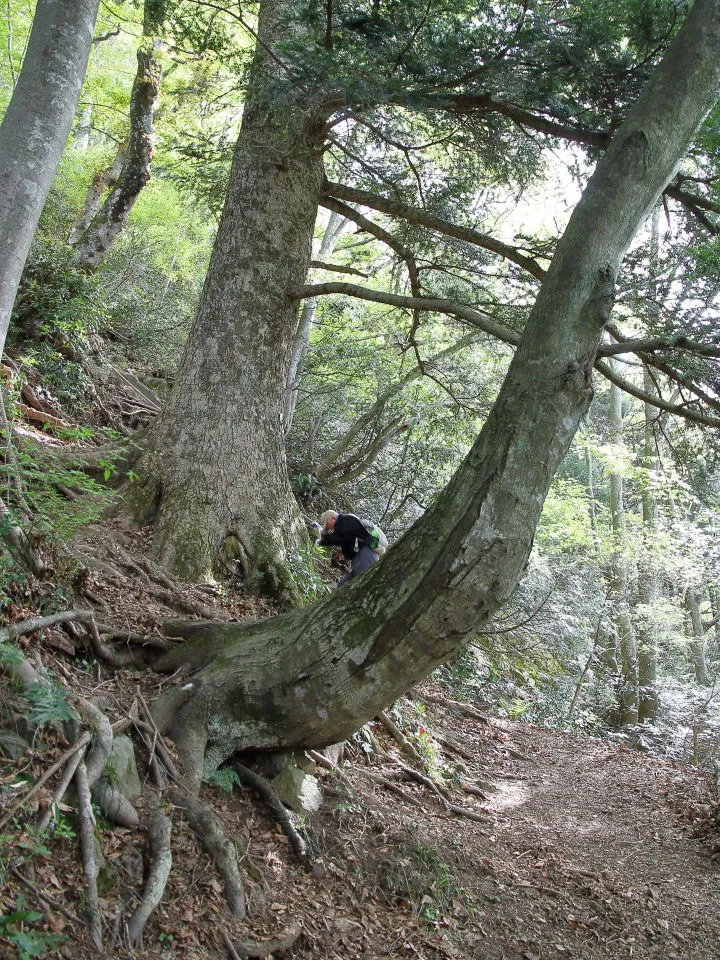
{"x": 159, "y": 831}
{"x": 213, "y": 838}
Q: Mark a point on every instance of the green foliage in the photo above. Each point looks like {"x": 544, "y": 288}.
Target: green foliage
{"x": 307, "y": 582}
{"x": 47, "y": 704}
{"x": 16, "y": 928}
{"x": 225, "y": 778}
{"x": 9, "y": 655}
{"x": 55, "y": 516}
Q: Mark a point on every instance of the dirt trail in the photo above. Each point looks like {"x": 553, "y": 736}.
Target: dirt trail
{"x": 597, "y": 832}
{"x": 587, "y": 853}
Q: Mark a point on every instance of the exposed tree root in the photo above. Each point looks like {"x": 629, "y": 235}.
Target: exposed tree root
{"x": 213, "y": 838}
{"x": 159, "y": 831}
{"x": 87, "y": 846}
{"x": 399, "y": 737}
{"x": 113, "y": 804}
{"x": 86, "y": 617}
{"x": 261, "y": 786}
{"x": 264, "y": 948}
{"x": 411, "y": 774}
{"x": 453, "y": 747}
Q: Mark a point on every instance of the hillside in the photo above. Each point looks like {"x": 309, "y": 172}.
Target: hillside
{"x": 536, "y": 844}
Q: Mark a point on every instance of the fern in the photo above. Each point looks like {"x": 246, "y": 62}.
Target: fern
{"x": 47, "y": 704}
{"x": 225, "y": 778}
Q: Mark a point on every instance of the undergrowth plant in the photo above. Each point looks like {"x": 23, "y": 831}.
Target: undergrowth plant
{"x": 18, "y": 929}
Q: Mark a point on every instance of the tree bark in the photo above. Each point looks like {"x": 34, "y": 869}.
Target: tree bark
{"x": 35, "y": 128}
{"x": 648, "y": 571}
{"x": 214, "y": 476}
{"x": 96, "y": 241}
{"x": 314, "y": 676}
{"x": 103, "y": 180}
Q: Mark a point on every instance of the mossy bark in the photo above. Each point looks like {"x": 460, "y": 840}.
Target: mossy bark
{"x": 213, "y": 480}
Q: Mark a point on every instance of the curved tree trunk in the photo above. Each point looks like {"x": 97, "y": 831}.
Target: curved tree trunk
{"x": 35, "y": 128}
{"x": 214, "y": 475}
{"x": 312, "y": 677}
{"x": 103, "y": 180}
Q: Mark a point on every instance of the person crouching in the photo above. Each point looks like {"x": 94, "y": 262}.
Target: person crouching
{"x": 345, "y": 530}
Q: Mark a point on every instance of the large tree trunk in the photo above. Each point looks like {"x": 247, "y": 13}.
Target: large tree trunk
{"x": 35, "y": 128}
{"x": 214, "y": 475}
{"x": 314, "y": 676}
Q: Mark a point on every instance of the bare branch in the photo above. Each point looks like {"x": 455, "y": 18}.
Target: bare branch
{"x": 423, "y": 218}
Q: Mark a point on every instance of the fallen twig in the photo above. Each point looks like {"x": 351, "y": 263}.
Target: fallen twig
{"x": 45, "y": 897}
{"x": 79, "y": 744}
{"x": 67, "y": 776}
{"x": 159, "y": 831}
{"x": 158, "y": 744}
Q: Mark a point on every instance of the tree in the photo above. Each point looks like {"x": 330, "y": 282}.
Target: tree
{"x": 35, "y": 128}
{"x": 99, "y": 234}
{"x": 314, "y": 676}
{"x": 213, "y": 477}
{"x": 212, "y": 480}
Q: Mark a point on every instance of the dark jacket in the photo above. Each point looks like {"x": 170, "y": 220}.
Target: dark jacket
{"x": 348, "y": 534}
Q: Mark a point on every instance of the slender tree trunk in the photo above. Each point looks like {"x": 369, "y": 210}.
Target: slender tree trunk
{"x": 96, "y": 241}
{"x": 696, "y": 639}
{"x": 103, "y": 180}
{"x": 618, "y": 578}
{"x": 314, "y": 676}
{"x": 35, "y": 128}
{"x": 81, "y": 140}
{"x": 333, "y": 231}
{"x": 648, "y": 572}
{"x": 214, "y": 476}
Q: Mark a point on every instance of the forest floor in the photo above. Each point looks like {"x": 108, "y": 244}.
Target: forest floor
{"x": 574, "y": 848}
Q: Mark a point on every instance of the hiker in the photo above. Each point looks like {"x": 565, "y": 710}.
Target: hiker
{"x": 354, "y": 537}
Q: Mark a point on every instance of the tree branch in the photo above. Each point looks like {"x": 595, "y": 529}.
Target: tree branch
{"x": 423, "y": 218}
{"x": 434, "y": 304}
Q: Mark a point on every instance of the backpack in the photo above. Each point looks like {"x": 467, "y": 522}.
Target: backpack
{"x": 377, "y": 541}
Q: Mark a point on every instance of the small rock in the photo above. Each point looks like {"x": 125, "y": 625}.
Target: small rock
{"x": 299, "y": 791}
